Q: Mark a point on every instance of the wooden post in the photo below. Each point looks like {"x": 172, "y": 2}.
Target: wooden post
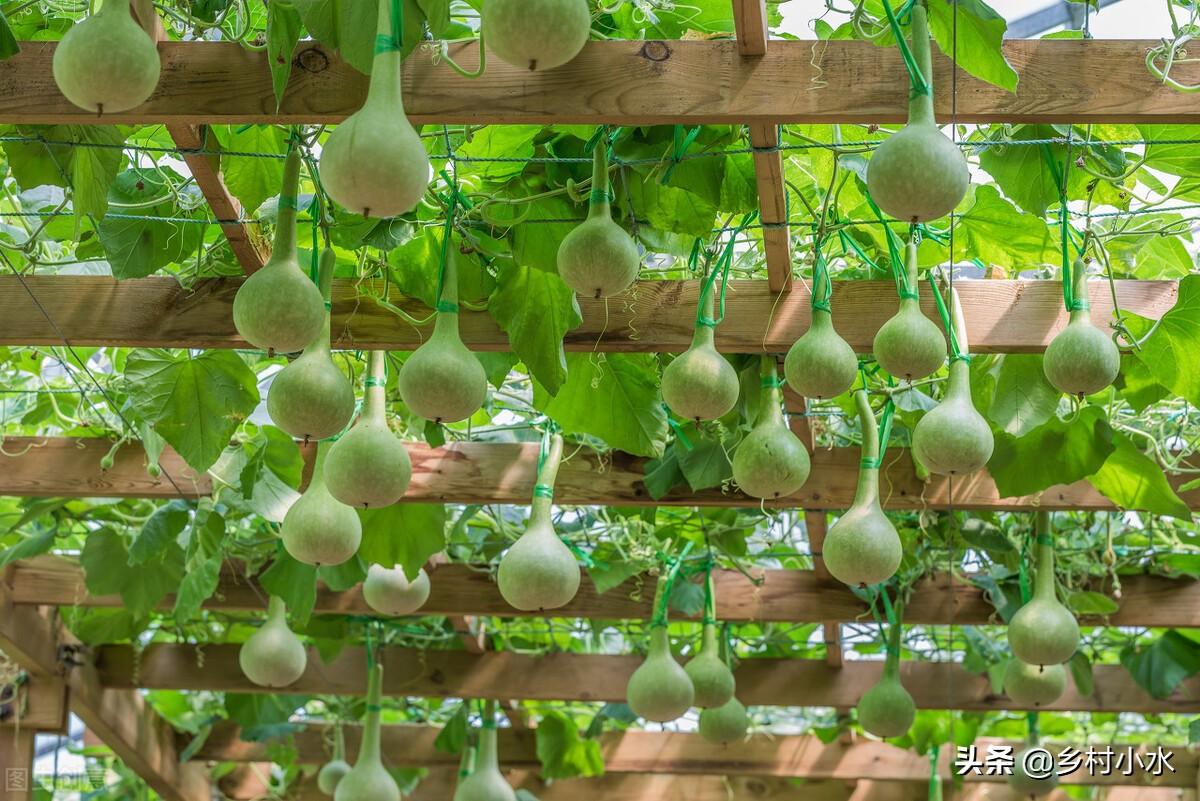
{"x": 16, "y": 764}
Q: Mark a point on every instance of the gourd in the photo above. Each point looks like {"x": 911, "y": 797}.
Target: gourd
{"x": 725, "y": 724}
{"x": 442, "y": 381}
{"x": 700, "y": 384}
{"x": 311, "y": 398}
{"x": 862, "y": 547}
{"x": 820, "y": 364}
{"x": 369, "y": 465}
{"x": 712, "y": 680}
{"x": 953, "y": 438}
{"x": 1043, "y": 631}
{"x": 918, "y": 174}
{"x": 660, "y": 690}
{"x": 331, "y": 772}
{"x": 486, "y": 782}
{"x": 374, "y": 163}
{"x": 273, "y": 656}
{"x": 887, "y": 710}
{"x": 107, "y": 63}
{"x": 1020, "y": 780}
{"x": 539, "y": 572}
{"x": 1034, "y": 685}
{"x": 389, "y": 592}
{"x": 1081, "y": 359}
{"x": 771, "y": 461}
{"x": 368, "y": 780}
{"x": 319, "y": 529}
{"x": 598, "y": 258}
{"x": 910, "y": 345}
{"x": 536, "y": 34}
{"x": 279, "y": 308}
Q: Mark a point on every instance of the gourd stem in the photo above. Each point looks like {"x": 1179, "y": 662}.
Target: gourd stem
{"x": 1079, "y": 289}
{"x": 325, "y": 270}
{"x": 375, "y": 400}
{"x": 385, "y": 85}
{"x": 958, "y": 386}
{"x": 703, "y": 335}
{"x": 318, "y": 472}
{"x": 547, "y": 475}
{"x": 891, "y": 665}
{"x": 911, "y": 275}
{"x": 284, "y": 245}
{"x": 339, "y": 743}
{"x": 276, "y": 609}
{"x": 867, "y": 491}
{"x": 447, "y": 321}
{"x": 959, "y": 320}
{"x": 1043, "y": 582}
{"x": 600, "y": 199}
{"x": 771, "y": 400}
{"x": 487, "y": 758}
{"x": 920, "y": 107}
{"x": 370, "y": 737}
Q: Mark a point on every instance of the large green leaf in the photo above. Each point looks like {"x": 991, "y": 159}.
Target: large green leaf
{"x": 1172, "y": 352}
{"x": 536, "y": 309}
{"x": 94, "y": 167}
{"x": 671, "y": 209}
{"x": 1169, "y": 148}
{"x": 108, "y": 571}
{"x": 614, "y": 397}
{"x": 145, "y": 238}
{"x": 195, "y": 403}
{"x": 1132, "y": 480}
{"x": 1023, "y": 399}
{"x": 996, "y": 232}
{"x": 563, "y": 753}
{"x": 348, "y": 28}
{"x": 978, "y": 47}
{"x": 205, "y": 554}
{"x": 1025, "y": 173}
{"x": 405, "y": 534}
{"x": 499, "y": 142}
{"x": 253, "y": 179}
{"x": 294, "y": 582}
{"x": 1057, "y": 452}
{"x": 283, "y": 32}
{"x": 1160, "y": 667}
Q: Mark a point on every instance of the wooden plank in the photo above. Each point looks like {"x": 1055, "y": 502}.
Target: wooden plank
{"x": 16, "y": 764}
{"x": 773, "y": 207}
{"x": 40, "y": 704}
{"x": 246, "y": 242}
{"x": 632, "y": 751}
{"x": 602, "y": 678}
{"x": 750, "y": 22}
{"x": 780, "y": 595}
{"x": 628, "y": 83}
{"x": 1002, "y": 316}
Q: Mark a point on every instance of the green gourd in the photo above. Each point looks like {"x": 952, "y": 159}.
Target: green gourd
{"x": 319, "y": 529}
{"x": 369, "y": 780}
{"x": 862, "y": 547}
{"x": 1081, "y": 359}
{"x": 107, "y": 63}
{"x": 273, "y": 656}
{"x": 1043, "y": 631}
{"x": 536, "y": 34}
{"x": 486, "y": 782}
{"x": 910, "y": 345}
{"x": 771, "y": 462}
{"x": 712, "y": 680}
{"x": 887, "y": 710}
{"x": 374, "y": 163}
{"x": 539, "y": 572}
{"x": 821, "y": 364}
{"x": 1024, "y": 784}
{"x": 332, "y": 771}
{"x": 953, "y": 438}
{"x": 725, "y": 724}
{"x": 918, "y": 174}
{"x": 598, "y": 258}
{"x": 660, "y": 690}
{"x": 1034, "y": 685}
{"x": 442, "y": 381}
{"x": 279, "y": 308}
{"x": 389, "y": 591}
{"x": 311, "y": 398}
{"x": 700, "y": 384}
{"x": 369, "y": 465}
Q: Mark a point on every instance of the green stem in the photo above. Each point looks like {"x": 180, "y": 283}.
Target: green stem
{"x": 285, "y": 223}
{"x": 920, "y": 106}
{"x": 600, "y": 203}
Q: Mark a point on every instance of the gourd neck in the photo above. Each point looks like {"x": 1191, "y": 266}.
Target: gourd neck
{"x": 867, "y": 491}
{"x": 600, "y": 199}
{"x": 770, "y": 404}
{"x": 709, "y": 643}
{"x": 276, "y": 611}
{"x": 325, "y": 269}
{"x": 660, "y": 641}
{"x": 1079, "y": 291}
{"x": 703, "y": 336}
{"x": 958, "y": 386}
{"x": 487, "y": 758}
{"x": 385, "y": 85}
{"x": 547, "y": 475}
{"x": 920, "y": 107}
{"x": 912, "y": 277}
{"x": 114, "y": 7}
{"x": 283, "y": 248}
{"x": 447, "y": 299}
{"x": 1043, "y": 582}
{"x": 339, "y": 743}
{"x": 375, "y": 392}
{"x": 318, "y": 472}
{"x": 369, "y": 751}
{"x": 891, "y": 663}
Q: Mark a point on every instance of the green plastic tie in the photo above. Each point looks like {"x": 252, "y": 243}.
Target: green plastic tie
{"x": 289, "y": 202}
{"x": 899, "y": 266}
{"x": 772, "y": 382}
{"x": 580, "y": 554}
{"x": 1023, "y": 574}
{"x": 673, "y": 565}
{"x": 720, "y": 270}
{"x": 452, "y": 202}
{"x": 710, "y": 597}
{"x": 373, "y": 381}
{"x": 447, "y": 307}
{"x": 821, "y": 279}
{"x": 600, "y": 196}
{"x": 543, "y": 491}
{"x": 885, "y": 433}
{"x": 677, "y": 428}
{"x": 393, "y": 43}
{"x": 920, "y": 86}
{"x": 956, "y": 353}
{"x": 681, "y": 142}
{"x": 1045, "y": 539}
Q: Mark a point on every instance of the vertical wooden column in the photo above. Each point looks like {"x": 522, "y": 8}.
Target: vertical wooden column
{"x": 16, "y": 764}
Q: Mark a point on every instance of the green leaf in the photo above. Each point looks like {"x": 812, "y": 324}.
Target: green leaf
{"x": 1023, "y": 172}
{"x": 405, "y": 534}
{"x": 283, "y": 32}
{"x": 205, "y": 553}
{"x": 562, "y": 752}
{"x": 536, "y": 245}
{"x": 662, "y": 475}
{"x": 1023, "y": 399}
{"x": 9, "y": 46}
{"x": 1080, "y": 446}
{"x": 499, "y": 141}
{"x": 452, "y": 739}
{"x": 536, "y": 309}
{"x": 105, "y": 562}
{"x": 614, "y": 397}
{"x": 671, "y": 209}
{"x": 1177, "y": 159}
{"x": 35, "y": 545}
{"x": 1081, "y": 674}
{"x": 294, "y": 582}
{"x": 253, "y": 179}
{"x": 94, "y": 167}
{"x": 1132, "y": 480}
{"x": 609, "y": 575}
{"x": 1085, "y": 602}
{"x": 195, "y": 403}
{"x": 348, "y": 28}
{"x": 996, "y": 232}
{"x": 687, "y": 598}
{"x": 136, "y": 244}
{"x": 160, "y": 530}
{"x": 107, "y": 571}
{"x": 705, "y": 464}
{"x": 978, "y": 48}
{"x": 261, "y": 715}
{"x": 1160, "y": 667}
{"x": 1172, "y": 352}
{"x": 739, "y": 185}
{"x": 103, "y": 626}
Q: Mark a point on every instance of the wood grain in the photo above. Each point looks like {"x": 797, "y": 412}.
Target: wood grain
{"x": 629, "y": 83}
{"x": 773, "y": 207}
{"x": 40, "y": 705}
{"x": 1003, "y": 316}
{"x": 780, "y": 595}
{"x": 603, "y": 678}
{"x": 16, "y": 763}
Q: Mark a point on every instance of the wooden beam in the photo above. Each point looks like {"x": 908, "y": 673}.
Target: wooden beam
{"x": 39, "y": 704}
{"x": 632, "y": 751}
{"x": 750, "y": 21}
{"x": 16, "y": 764}
{"x": 1002, "y": 316}
{"x": 505, "y": 675}
{"x": 629, "y": 83}
{"x": 780, "y": 595}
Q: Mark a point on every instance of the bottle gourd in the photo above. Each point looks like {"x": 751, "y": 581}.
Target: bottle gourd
{"x": 660, "y": 690}
{"x": 598, "y": 258}
{"x": 700, "y": 384}
{"x": 821, "y": 364}
{"x": 319, "y": 529}
{"x": 910, "y": 345}
{"x": 1043, "y": 631}
{"x": 107, "y": 63}
{"x": 536, "y": 34}
{"x": 712, "y": 680}
{"x": 486, "y": 782}
{"x": 887, "y": 710}
{"x": 334, "y": 770}
{"x": 273, "y": 656}
{"x": 1034, "y": 685}
{"x": 771, "y": 462}
{"x": 1081, "y": 359}
{"x": 390, "y": 592}
{"x": 725, "y": 724}
{"x": 1024, "y": 784}
{"x": 369, "y": 780}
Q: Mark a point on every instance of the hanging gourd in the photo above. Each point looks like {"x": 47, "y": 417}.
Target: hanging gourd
{"x": 917, "y": 174}
{"x": 273, "y": 656}
{"x": 539, "y": 571}
{"x": 279, "y": 308}
{"x": 369, "y": 466}
{"x": 107, "y": 63}
{"x": 953, "y": 438}
{"x": 390, "y": 592}
{"x": 442, "y": 381}
{"x": 536, "y": 34}
{"x": 660, "y": 690}
{"x": 887, "y": 709}
{"x": 909, "y": 345}
{"x": 862, "y": 547}
{"x": 334, "y": 770}
{"x": 319, "y": 529}
{"x": 712, "y": 680}
{"x": 374, "y": 163}
{"x": 725, "y": 724}
{"x": 771, "y": 462}
{"x": 1020, "y": 780}
{"x": 1034, "y": 685}
{"x": 821, "y": 364}
{"x": 485, "y": 782}
{"x": 598, "y": 258}
{"x": 1081, "y": 359}
{"x": 369, "y": 780}
{"x": 1043, "y": 631}
{"x": 311, "y": 398}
